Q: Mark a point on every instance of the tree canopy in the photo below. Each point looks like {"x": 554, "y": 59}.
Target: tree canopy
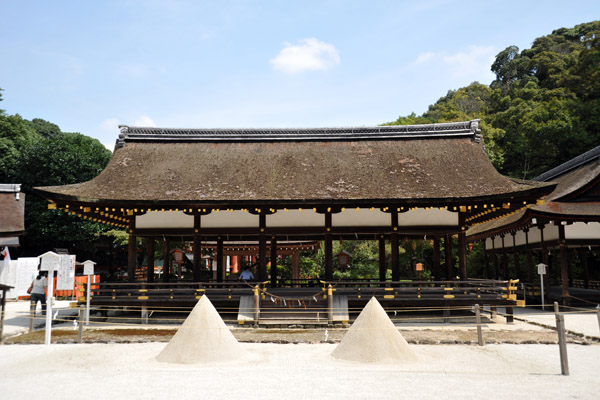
{"x": 541, "y": 110}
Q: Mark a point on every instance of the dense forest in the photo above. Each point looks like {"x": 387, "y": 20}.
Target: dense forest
{"x": 541, "y": 110}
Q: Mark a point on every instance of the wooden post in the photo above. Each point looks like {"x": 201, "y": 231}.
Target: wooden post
{"x": 330, "y": 304}
{"x": 562, "y": 341}
{"x": 486, "y": 261}
{"x": 262, "y": 248}
{"x": 382, "y": 263}
{"x": 2, "y": 314}
{"x": 586, "y": 270}
{"x": 564, "y": 267}
{"x": 273, "y": 262}
{"x": 131, "y": 252}
{"x": 166, "y": 260}
{"x": 31, "y": 315}
{"x": 197, "y": 251}
{"x": 504, "y": 259}
{"x": 328, "y": 248}
{"x": 436, "y": 259}
{"x": 495, "y": 254}
{"x": 256, "y": 305}
{"x": 150, "y": 259}
{"x": 80, "y": 323}
{"x": 448, "y": 258}
{"x": 395, "y": 249}
{"x": 296, "y": 267}
{"x": 478, "y": 319}
{"x": 530, "y": 271}
{"x": 545, "y": 260}
{"x": 462, "y": 255}
{"x": 516, "y": 255}
{"x": 220, "y": 266}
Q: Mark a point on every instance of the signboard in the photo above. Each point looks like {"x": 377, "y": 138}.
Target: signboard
{"x": 541, "y": 269}
{"x": 50, "y": 261}
{"x": 178, "y": 256}
{"x": 419, "y": 267}
{"x": 88, "y": 269}
{"x": 65, "y": 276}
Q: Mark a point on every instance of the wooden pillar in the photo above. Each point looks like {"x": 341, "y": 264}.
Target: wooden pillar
{"x": 486, "y": 261}
{"x": 262, "y": 248}
{"x": 448, "y": 257}
{"x": 150, "y": 258}
{"x": 586, "y": 269}
{"x": 382, "y": 263}
{"x": 328, "y": 248}
{"x": 166, "y": 260}
{"x": 530, "y": 271}
{"x": 235, "y": 266}
{"x": 395, "y": 249}
{"x": 131, "y": 252}
{"x": 295, "y": 267}
{"x": 220, "y": 266}
{"x": 564, "y": 266}
{"x": 273, "y": 260}
{"x": 436, "y": 260}
{"x": 516, "y": 256}
{"x": 197, "y": 251}
{"x": 462, "y": 255}
{"x": 496, "y": 276}
{"x": 545, "y": 259}
{"x": 504, "y": 259}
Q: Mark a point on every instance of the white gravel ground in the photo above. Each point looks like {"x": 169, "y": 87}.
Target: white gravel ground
{"x": 275, "y": 371}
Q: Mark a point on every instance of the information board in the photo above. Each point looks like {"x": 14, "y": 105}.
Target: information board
{"x": 65, "y": 276}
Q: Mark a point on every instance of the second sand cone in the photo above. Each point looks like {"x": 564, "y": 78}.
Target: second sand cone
{"x": 373, "y": 338}
{"x": 203, "y": 337}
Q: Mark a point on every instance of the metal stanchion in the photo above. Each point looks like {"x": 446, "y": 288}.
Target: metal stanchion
{"x": 562, "y": 342}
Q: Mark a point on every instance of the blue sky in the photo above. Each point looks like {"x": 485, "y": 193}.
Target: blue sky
{"x": 91, "y": 65}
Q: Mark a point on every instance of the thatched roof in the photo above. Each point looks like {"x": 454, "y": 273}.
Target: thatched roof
{"x": 13, "y": 210}
{"x": 444, "y": 162}
{"x": 575, "y": 198}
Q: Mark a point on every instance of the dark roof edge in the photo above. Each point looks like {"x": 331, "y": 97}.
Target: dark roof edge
{"x": 442, "y": 130}
{"x": 569, "y": 165}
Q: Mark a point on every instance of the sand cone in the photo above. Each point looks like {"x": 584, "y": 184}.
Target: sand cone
{"x": 373, "y": 338}
{"x": 203, "y": 337}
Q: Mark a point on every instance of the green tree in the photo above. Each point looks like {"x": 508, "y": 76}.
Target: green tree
{"x": 61, "y": 159}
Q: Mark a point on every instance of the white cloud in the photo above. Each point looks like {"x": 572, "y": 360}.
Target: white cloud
{"x": 424, "y": 57}
{"x": 136, "y": 71}
{"x": 144, "y": 120}
{"x": 308, "y": 55}
{"x": 474, "y": 62}
{"x": 110, "y": 125}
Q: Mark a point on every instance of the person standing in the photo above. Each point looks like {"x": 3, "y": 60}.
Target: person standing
{"x": 38, "y": 292}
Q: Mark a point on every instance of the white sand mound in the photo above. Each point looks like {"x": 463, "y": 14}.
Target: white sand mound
{"x": 203, "y": 337}
{"x": 373, "y": 338}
